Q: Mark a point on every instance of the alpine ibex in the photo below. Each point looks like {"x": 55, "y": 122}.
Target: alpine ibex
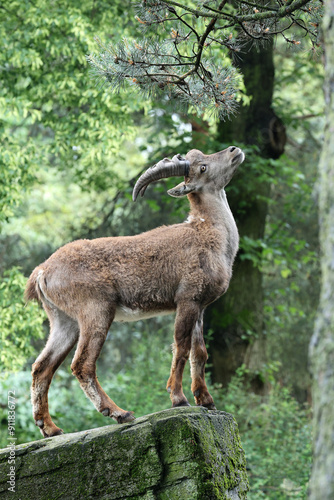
{"x": 87, "y": 284}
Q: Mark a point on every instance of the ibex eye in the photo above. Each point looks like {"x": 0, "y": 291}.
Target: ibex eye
{"x": 203, "y": 168}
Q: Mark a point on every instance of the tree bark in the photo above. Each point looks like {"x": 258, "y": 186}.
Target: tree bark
{"x": 322, "y": 343}
{"x": 236, "y": 320}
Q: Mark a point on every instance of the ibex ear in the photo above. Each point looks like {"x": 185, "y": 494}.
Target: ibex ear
{"x": 181, "y": 189}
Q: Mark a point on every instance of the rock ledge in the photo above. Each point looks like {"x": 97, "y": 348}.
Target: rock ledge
{"x": 181, "y": 453}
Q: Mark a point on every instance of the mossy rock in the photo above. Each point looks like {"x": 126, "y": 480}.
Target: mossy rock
{"x": 181, "y": 453}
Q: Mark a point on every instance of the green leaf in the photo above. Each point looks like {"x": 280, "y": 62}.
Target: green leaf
{"x": 285, "y": 273}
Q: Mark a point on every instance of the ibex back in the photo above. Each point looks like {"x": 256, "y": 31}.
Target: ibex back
{"x": 86, "y": 285}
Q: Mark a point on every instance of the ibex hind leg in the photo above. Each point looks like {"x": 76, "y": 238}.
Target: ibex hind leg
{"x": 64, "y": 332}
{"x": 93, "y": 332}
{"x": 186, "y": 317}
{"x": 198, "y": 359}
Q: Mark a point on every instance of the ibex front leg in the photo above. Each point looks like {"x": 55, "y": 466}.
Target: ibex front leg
{"x": 198, "y": 359}
{"x": 187, "y": 316}
{"x": 93, "y": 333}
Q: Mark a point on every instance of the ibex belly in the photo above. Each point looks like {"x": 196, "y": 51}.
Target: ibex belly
{"x": 125, "y": 314}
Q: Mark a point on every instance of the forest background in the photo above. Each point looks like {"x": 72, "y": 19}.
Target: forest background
{"x": 70, "y": 152}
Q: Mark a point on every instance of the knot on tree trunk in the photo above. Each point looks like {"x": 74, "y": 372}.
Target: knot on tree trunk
{"x": 273, "y": 136}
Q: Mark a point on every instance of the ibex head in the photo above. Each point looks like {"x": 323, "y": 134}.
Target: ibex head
{"x": 209, "y": 172}
{"x": 202, "y": 172}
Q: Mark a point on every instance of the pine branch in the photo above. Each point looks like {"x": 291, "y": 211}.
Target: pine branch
{"x": 284, "y": 11}
{"x": 180, "y": 66}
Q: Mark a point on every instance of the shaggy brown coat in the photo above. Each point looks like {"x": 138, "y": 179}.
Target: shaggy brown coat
{"x": 87, "y": 284}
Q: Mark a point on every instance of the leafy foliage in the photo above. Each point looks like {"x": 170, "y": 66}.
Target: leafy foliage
{"x": 20, "y": 323}
{"x": 49, "y": 114}
{"x": 279, "y": 246}
{"x": 16, "y": 175}
{"x": 276, "y": 435}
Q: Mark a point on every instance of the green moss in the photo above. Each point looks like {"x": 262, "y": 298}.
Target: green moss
{"x": 180, "y": 453}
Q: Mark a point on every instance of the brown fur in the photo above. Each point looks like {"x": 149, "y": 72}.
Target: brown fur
{"x": 87, "y": 284}
{"x": 32, "y": 290}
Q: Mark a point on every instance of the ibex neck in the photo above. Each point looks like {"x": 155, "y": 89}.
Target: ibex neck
{"x": 211, "y": 207}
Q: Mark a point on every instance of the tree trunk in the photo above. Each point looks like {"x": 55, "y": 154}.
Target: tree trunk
{"x": 236, "y": 320}
{"x": 322, "y": 343}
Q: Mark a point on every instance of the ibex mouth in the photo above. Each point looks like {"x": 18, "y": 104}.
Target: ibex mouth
{"x": 239, "y": 158}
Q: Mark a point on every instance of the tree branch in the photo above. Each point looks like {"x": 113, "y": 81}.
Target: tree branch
{"x": 178, "y": 64}
{"x": 280, "y": 13}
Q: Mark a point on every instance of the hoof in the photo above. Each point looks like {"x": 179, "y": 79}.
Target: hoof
{"x": 210, "y": 406}
{"x": 48, "y": 430}
{"x": 106, "y": 412}
{"x": 181, "y": 403}
{"x": 125, "y": 417}
{"x": 51, "y": 432}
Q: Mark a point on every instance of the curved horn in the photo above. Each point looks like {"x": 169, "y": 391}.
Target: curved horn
{"x": 163, "y": 169}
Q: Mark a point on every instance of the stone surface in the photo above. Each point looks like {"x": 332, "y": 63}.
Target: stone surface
{"x": 181, "y": 453}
